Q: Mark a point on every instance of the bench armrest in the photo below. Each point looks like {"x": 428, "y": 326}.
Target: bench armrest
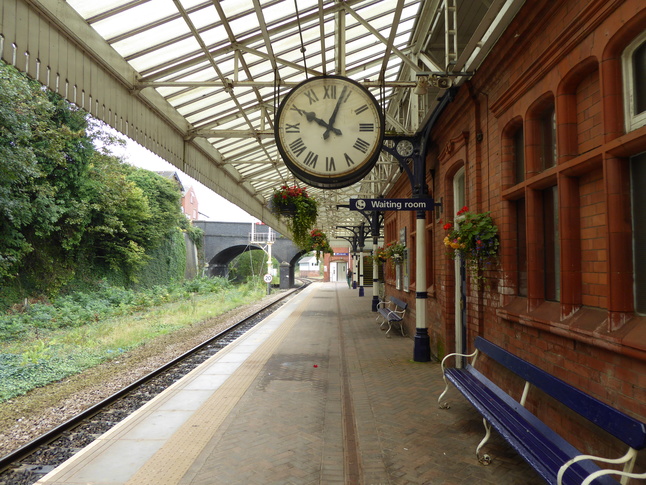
{"x": 382, "y": 303}
{"x": 628, "y": 458}
{"x": 600, "y": 473}
{"x": 397, "y": 312}
{"x": 474, "y": 354}
{"x": 446, "y": 388}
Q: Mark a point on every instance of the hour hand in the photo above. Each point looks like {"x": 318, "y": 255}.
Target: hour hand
{"x": 311, "y": 116}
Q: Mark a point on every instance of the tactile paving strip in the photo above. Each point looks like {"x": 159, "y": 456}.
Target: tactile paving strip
{"x": 173, "y": 460}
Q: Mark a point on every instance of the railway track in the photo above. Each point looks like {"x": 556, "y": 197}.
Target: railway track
{"x": 29, "y": 463}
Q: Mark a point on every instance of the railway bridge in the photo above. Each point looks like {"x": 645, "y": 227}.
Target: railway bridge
{"x": 223, "y": 241}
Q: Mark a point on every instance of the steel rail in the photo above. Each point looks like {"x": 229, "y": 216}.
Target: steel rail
{"x": 7, "y": 461}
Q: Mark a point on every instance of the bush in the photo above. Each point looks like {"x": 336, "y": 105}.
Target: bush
{"x": 81, "y": 308}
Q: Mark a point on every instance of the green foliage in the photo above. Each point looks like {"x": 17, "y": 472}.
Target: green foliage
{"x": 250, "y": 264}
{"x": 474, "y": 239}
{"x": 167, "y": 262}
{"x": 319, "y": 243}
{"x": 298, "y": 210}
{"x": 63, "y": 337}
{"x": 70, "y": 211}
{"x": 82, "y": 308}
{"x": 163, "y": 201}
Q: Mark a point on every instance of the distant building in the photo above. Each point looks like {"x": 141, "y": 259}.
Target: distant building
{"x": 189, "y": 204}
{"x": 308, "y": 267}
{"x": 189, "y": 198}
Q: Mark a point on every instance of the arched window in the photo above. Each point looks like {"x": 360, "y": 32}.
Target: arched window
{"x": 634, "y": 65}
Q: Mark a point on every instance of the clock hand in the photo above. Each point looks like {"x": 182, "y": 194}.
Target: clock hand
{"x": 334, "y": 113}
{"x": 311, "y": 116}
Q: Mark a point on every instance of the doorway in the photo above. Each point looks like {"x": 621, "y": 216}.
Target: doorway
{"x": 459, "y": 201}
{"x": 338, "y": 271}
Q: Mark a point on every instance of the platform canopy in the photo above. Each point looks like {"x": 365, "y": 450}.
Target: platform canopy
{"x": 198, "y": 81}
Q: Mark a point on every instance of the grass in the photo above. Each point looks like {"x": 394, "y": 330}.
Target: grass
{"x": 46, "y": 353}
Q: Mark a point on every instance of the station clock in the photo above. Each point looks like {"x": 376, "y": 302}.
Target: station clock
{"x": 329, "y": 131}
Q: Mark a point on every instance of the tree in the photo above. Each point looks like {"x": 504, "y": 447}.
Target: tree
{"x": 66, "y": 206}
{"x": 249, "y": 264}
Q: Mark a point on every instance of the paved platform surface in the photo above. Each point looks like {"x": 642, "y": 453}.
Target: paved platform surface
{"x": 316, "y": 394}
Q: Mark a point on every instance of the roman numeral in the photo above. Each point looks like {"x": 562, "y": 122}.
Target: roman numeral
{"x": 366, "y": 127}
{"x": 330, "y": 166}
{"x": 330, "y": 92}
{"x": 310, "y": 159}
{"x": 293, "y": 128}
{"x": 361, "y": 109}
{"x": 361, "y": 145}
{"x": 311, "y": 95}
{"x": 348, "y": 160}
{"x": 298, "y": 147}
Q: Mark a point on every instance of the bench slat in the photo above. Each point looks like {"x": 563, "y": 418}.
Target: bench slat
{"x": 539, "y": 445}
{"x": 401, "y": 304}
{"x": 624, "y": 427}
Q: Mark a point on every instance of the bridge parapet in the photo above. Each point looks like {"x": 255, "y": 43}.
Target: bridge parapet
{"x": 223, "y": 241}
{"x": 262, "y": 237}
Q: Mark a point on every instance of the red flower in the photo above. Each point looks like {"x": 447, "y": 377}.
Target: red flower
{"x": 448, "y": 226}
{"x": 463, "y": 210}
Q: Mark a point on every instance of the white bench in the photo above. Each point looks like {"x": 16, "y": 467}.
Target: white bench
{"x": 392, "y": 312}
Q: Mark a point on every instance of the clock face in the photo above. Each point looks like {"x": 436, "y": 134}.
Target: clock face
{"x": 329, "y": 131}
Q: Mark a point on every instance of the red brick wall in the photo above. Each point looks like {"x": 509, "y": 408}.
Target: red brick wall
{"x": 594, "y": 233}
{"x": 566, "y": 53}
{"x": 588, "y": 122}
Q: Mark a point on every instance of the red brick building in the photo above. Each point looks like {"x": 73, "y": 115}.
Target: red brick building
{"x": 335, "y": 266}
{"x": 550, "y": 137}
{"x": 190, "y": 204}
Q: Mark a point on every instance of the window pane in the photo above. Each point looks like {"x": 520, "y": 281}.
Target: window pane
{"x": 458, "y": 191}
{"x": 548, "y": 139}
{"x": 638, "y": 179}
{"x": 519, "y": 155}
{"x": 639, "y": 73}
{"x": 521, "y": 249}
{"x": 551, "y": 244}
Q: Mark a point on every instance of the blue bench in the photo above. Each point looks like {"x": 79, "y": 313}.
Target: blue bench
{"x": 392, "y": 311}
{"x": 555, "y": 459}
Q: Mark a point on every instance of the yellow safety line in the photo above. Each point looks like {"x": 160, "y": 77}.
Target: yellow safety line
{"x": 170, "y": 463}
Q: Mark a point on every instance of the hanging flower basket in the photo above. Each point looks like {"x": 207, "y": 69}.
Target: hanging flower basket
{"x": 381, "y": 254}
{"x": 394, "y": 253}
{"x": 319, "y": 243}
{"x": 299, "y": 211}
{"x": 474, "y": 240}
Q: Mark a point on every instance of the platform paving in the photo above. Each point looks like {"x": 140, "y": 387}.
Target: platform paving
{"x": 317, "y": 395}
{"x": 338, "y": 402}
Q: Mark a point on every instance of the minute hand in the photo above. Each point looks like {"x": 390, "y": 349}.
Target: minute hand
{"x": 334, "y": 113}
{"x": 311, "y": 116}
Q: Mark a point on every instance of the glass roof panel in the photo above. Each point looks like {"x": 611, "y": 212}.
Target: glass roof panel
{"x": 131, "y": 19}
{"x": 157, "y": 41}
{"x": 204, "y": 17}
{"x": 173, "y": 51}
{"x": 149, "y": 37}
{"x": 235, "y": 7}
{"x": 90, "y": 9}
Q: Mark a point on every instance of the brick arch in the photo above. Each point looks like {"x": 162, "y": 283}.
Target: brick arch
{"x": 578, "y": 111}
{"x": 612, "y": 77}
